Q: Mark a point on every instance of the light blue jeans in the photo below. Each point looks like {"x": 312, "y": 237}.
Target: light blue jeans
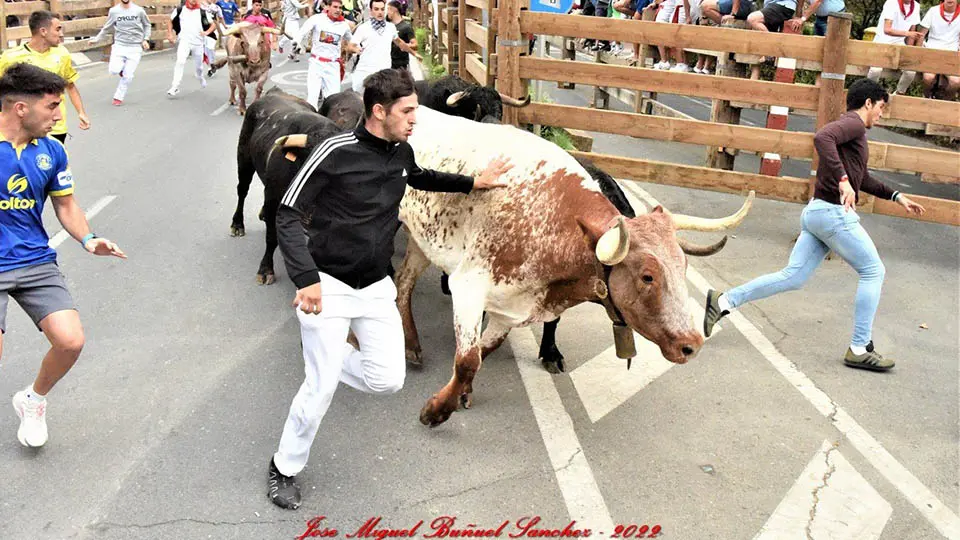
{"x": 826, "y": 227}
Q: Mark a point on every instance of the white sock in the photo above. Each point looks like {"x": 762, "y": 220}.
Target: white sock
{"x": 32, "y": 394}
{"x": 723, "y": 303}
{"x": 858, "y": 349}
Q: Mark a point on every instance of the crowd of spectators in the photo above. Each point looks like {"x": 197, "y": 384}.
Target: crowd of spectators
{"x": 901, "y": 22}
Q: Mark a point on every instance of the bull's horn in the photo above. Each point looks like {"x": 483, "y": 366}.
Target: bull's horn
{"x": 288, "y": 141}
{"x": 614, "y": 245}
{"x": 237, "y": 58}
{"x": 274, "y": 31}
{"x": 701, "y": 251}
{"x": 236, "y": 28}
{"x": 693, "y": 223}
{"x": 514, "y": 102}
{"x": 455, "y": 97}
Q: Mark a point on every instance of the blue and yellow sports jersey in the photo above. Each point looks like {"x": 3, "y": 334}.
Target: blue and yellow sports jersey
{"x": 27, "y": 175}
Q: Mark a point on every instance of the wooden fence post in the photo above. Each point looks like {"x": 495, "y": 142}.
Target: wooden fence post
{"x": 3, "y": 26}
{"x": 462, "y": 41}
{"x": 832, "y": 100}
{"x": 509, "y": 45}
{"x": 722, "y": 112}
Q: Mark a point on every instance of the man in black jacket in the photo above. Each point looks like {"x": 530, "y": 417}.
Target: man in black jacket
{"x": 354, "y": 183}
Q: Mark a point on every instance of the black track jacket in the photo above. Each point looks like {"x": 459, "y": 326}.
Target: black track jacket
{"x": 351, "y": 185}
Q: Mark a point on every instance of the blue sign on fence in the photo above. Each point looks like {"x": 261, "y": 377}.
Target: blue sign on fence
{"x": 551, "y": 6}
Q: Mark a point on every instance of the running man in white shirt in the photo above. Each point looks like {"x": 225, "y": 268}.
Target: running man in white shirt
{"x": 331, "y": 36}
{"x": 896, "y": 28}
{"x": 375, "y": 37}
{"x": 194, "y": 26}
{"x": 131, "y": 36}
{"x": 291, "y": 25}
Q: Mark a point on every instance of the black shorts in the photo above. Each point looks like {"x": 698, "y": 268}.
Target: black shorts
{"x": 62, "y": 137}
{"x": 774, "y": 15}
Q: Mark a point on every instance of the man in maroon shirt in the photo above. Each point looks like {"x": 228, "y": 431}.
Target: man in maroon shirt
{"x": 830, "y": 222}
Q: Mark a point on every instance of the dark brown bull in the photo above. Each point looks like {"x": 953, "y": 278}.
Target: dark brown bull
{"x": 248, "y": 55}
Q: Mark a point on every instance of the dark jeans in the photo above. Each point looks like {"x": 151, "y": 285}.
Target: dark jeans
{"x": 820, "y": 27}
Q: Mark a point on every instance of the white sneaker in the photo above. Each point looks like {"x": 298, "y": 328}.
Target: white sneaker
{"x": 173, "y": 91}
{"x": 661, "y": 65}
{"x": 203, "y": 82}
{"x": 680, "y": 68}
{"x": 33, "y": 420}
{"x": 697, "y": 70}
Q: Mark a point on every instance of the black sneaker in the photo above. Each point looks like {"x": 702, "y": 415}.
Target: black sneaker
{"x": 712, "y": 314}
{"x": 282, "y": 490}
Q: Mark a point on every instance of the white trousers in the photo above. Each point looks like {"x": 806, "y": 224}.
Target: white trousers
{"x": 379, "y": 367}
{"x": 291, "y": 27}
{"x": 357, "y": 78}
{"x": 323, "y": 79}
{"x": 906, "y": 78}
{"x": 124, "y": 60}
{"x": 185, "y": 49}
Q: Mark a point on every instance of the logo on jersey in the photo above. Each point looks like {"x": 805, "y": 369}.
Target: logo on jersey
{"x": 65, "y": 179}
{"x": 329, "y": 37}
{"x": 44, "y": 162}
{"x": 16, "y": 184}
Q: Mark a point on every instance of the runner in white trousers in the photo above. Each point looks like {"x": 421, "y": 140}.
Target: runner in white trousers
{"x": 331, "y": 35}
{"x": 131, "y": 35}
{"x": 291, "y": 25}
{"x": 190, "y": 40}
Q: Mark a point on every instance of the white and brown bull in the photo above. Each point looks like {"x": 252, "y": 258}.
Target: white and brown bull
{"x": 527, "y": 252}
{"x": 248, "y": 55}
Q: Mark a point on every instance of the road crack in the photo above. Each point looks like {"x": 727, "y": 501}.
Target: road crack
{"x": 102, "y": 526}
{"x": 477, "y": 487}
{"x": 831, "y": 468}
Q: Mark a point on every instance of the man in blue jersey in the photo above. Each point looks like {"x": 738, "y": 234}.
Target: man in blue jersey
{"x": 33, "y": 167}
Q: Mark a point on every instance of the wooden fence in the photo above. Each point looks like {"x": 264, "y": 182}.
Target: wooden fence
{"x": 84, "y": 18}
{"x": 493, "y": 43}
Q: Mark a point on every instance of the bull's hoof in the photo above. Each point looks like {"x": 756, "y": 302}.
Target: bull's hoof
{"x": 414, "y": 358}
{"x": 436, "y": 412}
{"x": 553, "y": 362}
{"x": 237, "y": 230}
{"x": 260, "y": 215}
{"x": 241, "y": 112}
{"x": 266, "y": 278}
{"x": 466, "y": 400}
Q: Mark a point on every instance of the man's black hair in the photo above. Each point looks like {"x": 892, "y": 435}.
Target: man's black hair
{"x": 28, "y": 81}
{"x": 40, "y": 19}
{"x": 865, "y": 89}
{"x": 385, "y": 88}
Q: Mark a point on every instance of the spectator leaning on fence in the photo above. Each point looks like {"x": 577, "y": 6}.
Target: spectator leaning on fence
{"x": 819, "y": 8}
{"x": 44, "y": 51}
{"x": 131, "y": 36}
{"x": 830, "y": 223}
{"x": 941, "y": 25}
{"x": 896, "y": 27}
{"x": 726, "y": 11}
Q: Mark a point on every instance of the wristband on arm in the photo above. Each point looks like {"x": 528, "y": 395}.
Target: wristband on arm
{"x": 844, "y": 178}
{"x": 87, "y": 238}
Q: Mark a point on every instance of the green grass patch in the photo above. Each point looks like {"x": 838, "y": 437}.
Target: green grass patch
{"x": 430, "y": 70}
{"x": 557, "y": 136}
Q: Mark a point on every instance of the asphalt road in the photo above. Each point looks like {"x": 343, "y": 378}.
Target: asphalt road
{"x": 165, "y": 427}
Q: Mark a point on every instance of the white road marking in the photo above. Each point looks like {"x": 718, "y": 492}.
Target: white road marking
{"x": 282, "y": 63}
{"x": 220, "y": 109}
{"x": 574, "y": 476}
{"x": 830, "y": 499}
{"x": 94, "y": 210}
{"x": 710, "y": 104}
{"x": 918, "y": 494}
{"x": 604, "y": 383}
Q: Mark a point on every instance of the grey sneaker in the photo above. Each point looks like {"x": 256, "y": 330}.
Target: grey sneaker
{"x": 871, "y": 360}
{"x": 712, "y": 314}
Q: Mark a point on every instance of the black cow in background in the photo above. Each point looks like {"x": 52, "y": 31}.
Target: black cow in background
{"x": 265, "y": 148}
{"x": 456, "y": 97}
